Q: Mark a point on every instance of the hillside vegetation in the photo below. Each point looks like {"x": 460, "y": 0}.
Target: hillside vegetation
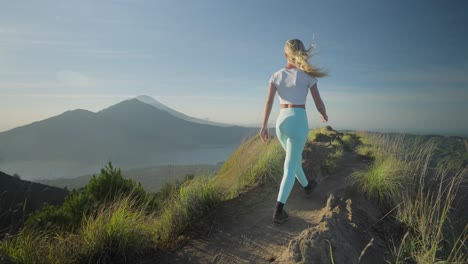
{"x": 423, "y": 182}
{"x": 112, "y": 210}
{"x": 114, "y": 220}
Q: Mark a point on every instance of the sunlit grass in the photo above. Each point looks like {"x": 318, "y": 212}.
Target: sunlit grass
{"x": 383, "y": 180}
{"x": 253, "y": 162}
{"x": 119, "y": 231}
{"x": 268, "y": 167}
{"x": 22, "y": 248}
{"x": 315, "y": 133}
{"x": 193, "y": 202}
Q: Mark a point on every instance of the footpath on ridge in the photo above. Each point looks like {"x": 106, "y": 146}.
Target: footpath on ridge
{"x": 333, "y": 216}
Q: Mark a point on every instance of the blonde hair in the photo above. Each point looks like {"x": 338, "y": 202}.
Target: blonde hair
{"x": 299, "y": 57}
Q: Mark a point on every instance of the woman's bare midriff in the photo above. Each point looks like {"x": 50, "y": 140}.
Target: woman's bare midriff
{"x": 292, "y": 106}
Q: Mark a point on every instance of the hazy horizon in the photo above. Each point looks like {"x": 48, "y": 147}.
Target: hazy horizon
{"x": 311, "y": 125}
{"x": 394, "y": 66}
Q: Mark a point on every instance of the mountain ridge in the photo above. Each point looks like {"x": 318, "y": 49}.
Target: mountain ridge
{"x": 131, "y": 133}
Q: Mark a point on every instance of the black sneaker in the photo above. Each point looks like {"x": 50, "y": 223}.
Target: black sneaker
{"x": 310, "y": 187}
{"x": 280, "y": 217}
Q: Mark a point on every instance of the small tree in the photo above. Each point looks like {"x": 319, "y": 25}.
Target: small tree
{"x": 105, "y": 188}
{"x": 110, "y": 184}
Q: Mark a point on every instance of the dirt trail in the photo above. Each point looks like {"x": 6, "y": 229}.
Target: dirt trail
{"x": 242, "y": 230}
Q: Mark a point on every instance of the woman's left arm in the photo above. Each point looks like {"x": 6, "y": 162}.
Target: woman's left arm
{"x": 267, "y": 111}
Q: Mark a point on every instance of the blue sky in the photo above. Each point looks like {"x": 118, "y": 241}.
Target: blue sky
{"x": 398, "y": 65}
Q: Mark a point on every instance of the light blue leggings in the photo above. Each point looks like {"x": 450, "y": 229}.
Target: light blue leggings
{"x": 292, "y": 129}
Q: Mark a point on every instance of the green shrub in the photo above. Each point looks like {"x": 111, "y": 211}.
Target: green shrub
{"x": 100, "y": 189}
{"x": 111, "y": 183}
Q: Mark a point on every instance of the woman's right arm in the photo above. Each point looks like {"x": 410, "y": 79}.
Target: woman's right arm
{"x": 318, "y": 102}
{"x": 268, "y": 105}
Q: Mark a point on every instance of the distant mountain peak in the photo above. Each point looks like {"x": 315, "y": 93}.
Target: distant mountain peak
{"x": 78, "y": 111}
{"x": 148, "y": 99}
{"x": 153, "y": 102}
{"x": 145, "y": 98}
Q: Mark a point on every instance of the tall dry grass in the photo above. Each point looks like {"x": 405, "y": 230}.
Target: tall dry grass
{"x": 120, "y": 231}
{"x": 426, "y": 212}
{"x": 423, "y": 197}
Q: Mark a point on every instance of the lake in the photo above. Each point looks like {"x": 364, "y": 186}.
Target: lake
{"x": 39, "y": 169}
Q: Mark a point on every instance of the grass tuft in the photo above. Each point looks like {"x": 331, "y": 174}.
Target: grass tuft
{"x": 22, "y": 248}
{"x": 366, "y": 151}
{"x": 350, "y": 141}
{"x": 336, "y": 143}
{"x": 332, "y": 163}
{"x": 116, "y": 232}
{"x": 383, "y": 180}
{"x": 193, "y": 202}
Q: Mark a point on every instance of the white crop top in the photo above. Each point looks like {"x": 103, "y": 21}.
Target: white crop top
{"x": 292, "y": 85}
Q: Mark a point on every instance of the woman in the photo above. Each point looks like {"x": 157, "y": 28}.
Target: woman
{"x": 292, "y": 84}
